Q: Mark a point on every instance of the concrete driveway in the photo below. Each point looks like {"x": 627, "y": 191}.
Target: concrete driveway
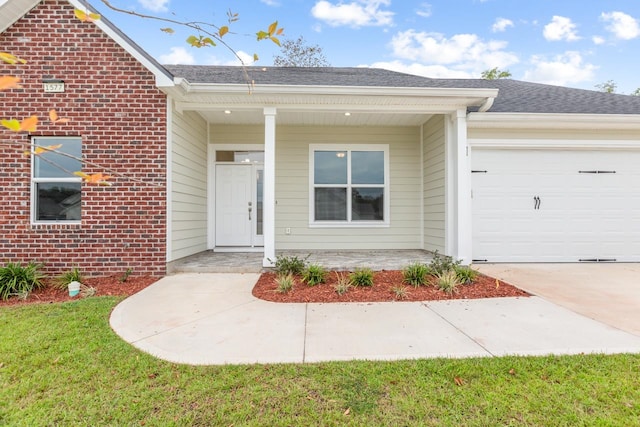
{"x": 607, "y": 292}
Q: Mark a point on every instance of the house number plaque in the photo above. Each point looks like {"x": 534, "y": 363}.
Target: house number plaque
{"x": 53, "y": 86}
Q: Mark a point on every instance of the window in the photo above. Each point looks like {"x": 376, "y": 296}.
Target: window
{"x": 55, "y": 190}
{"x": 349, "y": 185}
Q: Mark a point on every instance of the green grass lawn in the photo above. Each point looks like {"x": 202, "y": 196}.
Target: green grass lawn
{"x": 60, "y": 364}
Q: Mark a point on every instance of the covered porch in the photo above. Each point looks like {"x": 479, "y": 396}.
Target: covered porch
{"x": 416, "y": 136}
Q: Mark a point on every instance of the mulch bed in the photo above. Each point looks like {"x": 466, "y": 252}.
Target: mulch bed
{"x": 382, "y": 290}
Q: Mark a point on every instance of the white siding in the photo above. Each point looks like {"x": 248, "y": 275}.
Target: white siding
{"x": 292, "y": 189}
{"x": 553, "y": 134}
{"x": 189, "y": 181}
{"x": 434, "y": 184}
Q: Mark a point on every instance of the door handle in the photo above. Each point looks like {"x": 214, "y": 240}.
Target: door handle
{"x": 249, "y": 213}
{"x": 536, "y": 202}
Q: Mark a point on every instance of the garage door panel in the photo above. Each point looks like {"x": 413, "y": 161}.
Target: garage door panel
{"x": 576, "y": 215}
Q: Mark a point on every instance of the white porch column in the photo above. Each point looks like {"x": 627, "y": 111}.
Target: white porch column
{"x": 269, "y": 191}
{"x": 463, "y": 194}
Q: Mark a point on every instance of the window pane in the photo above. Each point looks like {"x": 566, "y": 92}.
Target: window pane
{"x": 54, "y": 165}
{"x": 58, "y": 201}
{"x": 331, "y": 204}
{"x": 330, "y": 167}
{"x": 367, "y": 204}
{"x": 367, "y": 167}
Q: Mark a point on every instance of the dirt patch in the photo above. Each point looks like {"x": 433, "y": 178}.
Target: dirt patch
{"x": 109, "y": 285}
{"x": 384, "y": 283}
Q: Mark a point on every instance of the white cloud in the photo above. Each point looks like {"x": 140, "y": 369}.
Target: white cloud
{"x": 560, "y": 28}
{"x": 433, "y": 71}
{"x": 623, "y": 26}
{"x": 272, "y": 3}
{"x": 501, "y": 25}
{"x": 424, "y": 10}
{"x": 155, "y": 5}
{"x": 462, "y": 52}
{"x": 564, "y": 69}
{"x": 178, "y": 55}
{"x": 358, "y": 13}
{"x": 598, "y": 40}
{"x": 247, "y": 59}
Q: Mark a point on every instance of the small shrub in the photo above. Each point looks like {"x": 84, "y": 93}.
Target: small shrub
{"x": 19, "y": 280}
{"x": 125, "y": 275}
{"x": 415, "y": 274}
{"x": 314, "y": 274}
{"x": 284, "y": 283}
{"x": 87, "y": 291}
{"x": 466, "y": 275}
{"x": 73, "y": 275}
{"x": 448, "y": 281}
{"x": 442, "y": 263}
{"x": 361, "y": 277}
{"x": 342, "y": 284}
{"x": 400, "y": 292}
{"x": 290, "y": 264}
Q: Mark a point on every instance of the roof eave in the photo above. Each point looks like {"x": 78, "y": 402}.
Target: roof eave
{"x": 553, "y": 121}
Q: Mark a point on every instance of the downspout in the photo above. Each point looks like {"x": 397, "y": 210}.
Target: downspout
{"x": 486, "y": 105}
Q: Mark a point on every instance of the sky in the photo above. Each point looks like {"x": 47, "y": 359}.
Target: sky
{"x": 562, "y": 42}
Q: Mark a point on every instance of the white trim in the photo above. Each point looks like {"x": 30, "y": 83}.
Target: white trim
{"x": 349, "y": 223}
{"x": 553, "y": 121}
{"x": 211, "y": 181}
{"x": 162, "y": 79}
{"x": 554, "y": 143}
{"x": 464, "y": 218}
{"x": 450, "y": 187}
{"x": 34, "y": 181}
{"x": 238, "y": 249}
{"x": 169, "y": 181}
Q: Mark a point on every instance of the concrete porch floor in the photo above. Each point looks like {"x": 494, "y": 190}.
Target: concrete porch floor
{"x": 251, "y": 262}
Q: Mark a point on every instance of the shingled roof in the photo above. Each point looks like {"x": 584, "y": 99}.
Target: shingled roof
{"x": 514, "y": 96}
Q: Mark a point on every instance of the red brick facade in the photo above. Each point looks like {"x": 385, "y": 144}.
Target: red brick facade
{"x": 113, "y": 104}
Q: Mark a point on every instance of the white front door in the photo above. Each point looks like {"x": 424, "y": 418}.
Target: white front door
{"x": 556, "y": 205}
{"x": 238, "y": 205}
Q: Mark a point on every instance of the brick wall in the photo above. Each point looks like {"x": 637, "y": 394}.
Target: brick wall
{"x": 113, "y": 104}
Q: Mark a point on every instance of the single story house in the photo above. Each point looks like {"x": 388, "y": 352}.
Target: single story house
{"x": 311, "y": 159}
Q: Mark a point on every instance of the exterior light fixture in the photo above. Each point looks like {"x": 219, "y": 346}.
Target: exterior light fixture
{"x": 347, "y": 114}
{"x": 227, "y": 111}
{"x": 340, "y": 154}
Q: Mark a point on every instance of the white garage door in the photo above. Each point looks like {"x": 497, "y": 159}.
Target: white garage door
{"x": 556, "y": 205}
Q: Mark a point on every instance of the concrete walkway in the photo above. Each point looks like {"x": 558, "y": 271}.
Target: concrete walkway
{"x": 607, "y": 292}
{"x": 209, "y": 319}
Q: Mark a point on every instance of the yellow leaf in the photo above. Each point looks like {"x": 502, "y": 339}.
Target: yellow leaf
{"x": 30, "y": 124}
{"x": 347, "y": 411}
{"x": 13, "y": 125}
{"x": 11, "y": 59}
{"x": 96, "y": 178}
{"x": 167, "y": 30}
{"x": 39, "y": 150}
{"x": 9, "y": 82}
{"x": 255, "y": 57}
{"x": 53, "y": 116}
{"x": 86, "y": 17}
{"x": 497, "y": 283}
{"x": 272, "y": 28}
{"x": 223, "y": 30}
{"x": 275, "y": 40}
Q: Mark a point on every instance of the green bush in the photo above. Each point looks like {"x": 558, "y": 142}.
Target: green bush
{"x": 290, "y": 264}
{"x": 314, "y": 274}
{"x": 448, "y": 281}
{"x": 73, "y": 275}
{"x": 284, "y": 283}
{"x": 466, "y": 275}
{"x": 19, "y": 280}
{"x": 442, "y": 263}
{"x": 416, "y": 274}
{"x": 361, "y": 277}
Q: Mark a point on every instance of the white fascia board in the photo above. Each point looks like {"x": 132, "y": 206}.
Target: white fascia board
{"x": 12, "y": 11}
{"x": 552, "y": 121}
{"x": 162, "y": 79}
{"x": 477, "y": 96}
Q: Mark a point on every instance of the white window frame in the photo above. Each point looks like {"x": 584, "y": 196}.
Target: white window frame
{"x": 43, "y": 141}
{"x": 349, "y": 223}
